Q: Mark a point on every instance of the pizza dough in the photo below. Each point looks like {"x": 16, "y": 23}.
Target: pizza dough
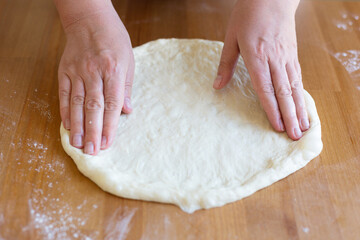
{"x": 188, "y": 144}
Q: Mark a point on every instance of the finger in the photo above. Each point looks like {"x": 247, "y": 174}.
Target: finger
{"x": 298, "y": 96}
{"x": 261, "y": 79}
{"x": 77, "y": 112}
{"x": 114, "y": 101}
{"x": 127, "y": 108}
{"x": 94, "y": 112}
{"x": 64, "y": 99}
{"x": 284, "y": 97}
{"x": 229, "y": 57}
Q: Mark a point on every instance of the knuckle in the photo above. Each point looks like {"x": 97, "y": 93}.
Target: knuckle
{"x": 260, "y": 55}
{"x": 64, "y": 64}
{"x": 110, "y": 65}
{"x": 128, "y": 84}
{"x": 279, "y": 48}
{"x": 284, "y": 91}
{"x": 259, "y": 73}
{"x": 77, "y": 100}
{"x": 93, "y": 104}
{"x": 260, "y": 45}
{"x": 91, "y": 66}
{"x": 296, "y": 85}
{"x": 260, "y": 50}
{"x": 103, "y": 62}
{"x": 64, "y": 93}
{"x": 267, "y": 88}
{"x": 112, "y": 104}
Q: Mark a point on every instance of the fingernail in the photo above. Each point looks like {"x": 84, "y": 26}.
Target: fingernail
{"x": 67, "y": 124}
{"x": 297, "y": 132}
{"x": 128, "y": 103}
{"x": 304, "y": 122}
{"x": 77, "y": 140}
{"x": 281, "y": 125}
{"x": 103, "y": 141}
{"x": 89, "y": 148}
{"x": 217, "y": 81}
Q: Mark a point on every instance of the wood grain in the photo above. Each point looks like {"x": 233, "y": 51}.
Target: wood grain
{"x": 44, "y": 196}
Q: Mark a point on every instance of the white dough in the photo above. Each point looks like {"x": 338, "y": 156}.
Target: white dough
{"x": 188, "y": 144}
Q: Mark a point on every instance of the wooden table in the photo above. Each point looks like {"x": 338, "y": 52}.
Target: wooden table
{"x": 44, "y": 196}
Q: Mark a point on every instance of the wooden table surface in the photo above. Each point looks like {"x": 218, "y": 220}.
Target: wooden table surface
{"x": 44, "y": 196}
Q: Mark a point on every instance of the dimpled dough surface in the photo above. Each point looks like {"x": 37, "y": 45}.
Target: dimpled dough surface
{"x": 188, "y": 144}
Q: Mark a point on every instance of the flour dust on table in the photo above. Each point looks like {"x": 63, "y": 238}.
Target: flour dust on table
{"x": 188, "y": 144}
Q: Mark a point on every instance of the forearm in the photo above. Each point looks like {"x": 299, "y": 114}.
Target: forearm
{"x": 278, "y": 7}
{"x": 73, "y": 11}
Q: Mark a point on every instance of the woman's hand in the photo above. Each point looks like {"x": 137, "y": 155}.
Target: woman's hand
{"x": 95, "y": 78}
{"x": 264, "y": 33}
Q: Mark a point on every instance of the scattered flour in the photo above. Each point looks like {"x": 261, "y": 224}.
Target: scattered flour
{"x": 54, "y": 219}
{"x": 166, "y": 229}
{"x": 42, "y": 107}
{"x": 306, "y": 229}
{"x": 350, "y": 60}
{"x": 118, "y": 225}
{"x": 51, "y": 215}
{"x": 345, "y": 21}
{"x": 36, "y": 157}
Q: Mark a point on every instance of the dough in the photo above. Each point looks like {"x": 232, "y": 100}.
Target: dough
{"x": 188, "y": 144}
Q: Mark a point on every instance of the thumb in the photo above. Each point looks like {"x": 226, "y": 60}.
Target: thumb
{"x": 229, "y": 57}
{"x": 127, "y": 108}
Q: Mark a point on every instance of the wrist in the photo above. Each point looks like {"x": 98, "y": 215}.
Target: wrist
{"x": 73, "y": 14}
{"x": 99, "y": 21}
{"x": 288, "y": 7}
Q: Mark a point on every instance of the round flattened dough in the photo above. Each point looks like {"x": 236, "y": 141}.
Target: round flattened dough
{"x": 188, "y": 144}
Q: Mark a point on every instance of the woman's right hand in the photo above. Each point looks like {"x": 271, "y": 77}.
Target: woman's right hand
{"x": 264, "y": 33}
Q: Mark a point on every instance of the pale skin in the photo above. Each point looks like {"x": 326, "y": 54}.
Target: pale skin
{"x": 97, "y": 67}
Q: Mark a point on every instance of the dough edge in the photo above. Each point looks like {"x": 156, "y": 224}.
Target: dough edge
{"x": 308, "y": 147}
